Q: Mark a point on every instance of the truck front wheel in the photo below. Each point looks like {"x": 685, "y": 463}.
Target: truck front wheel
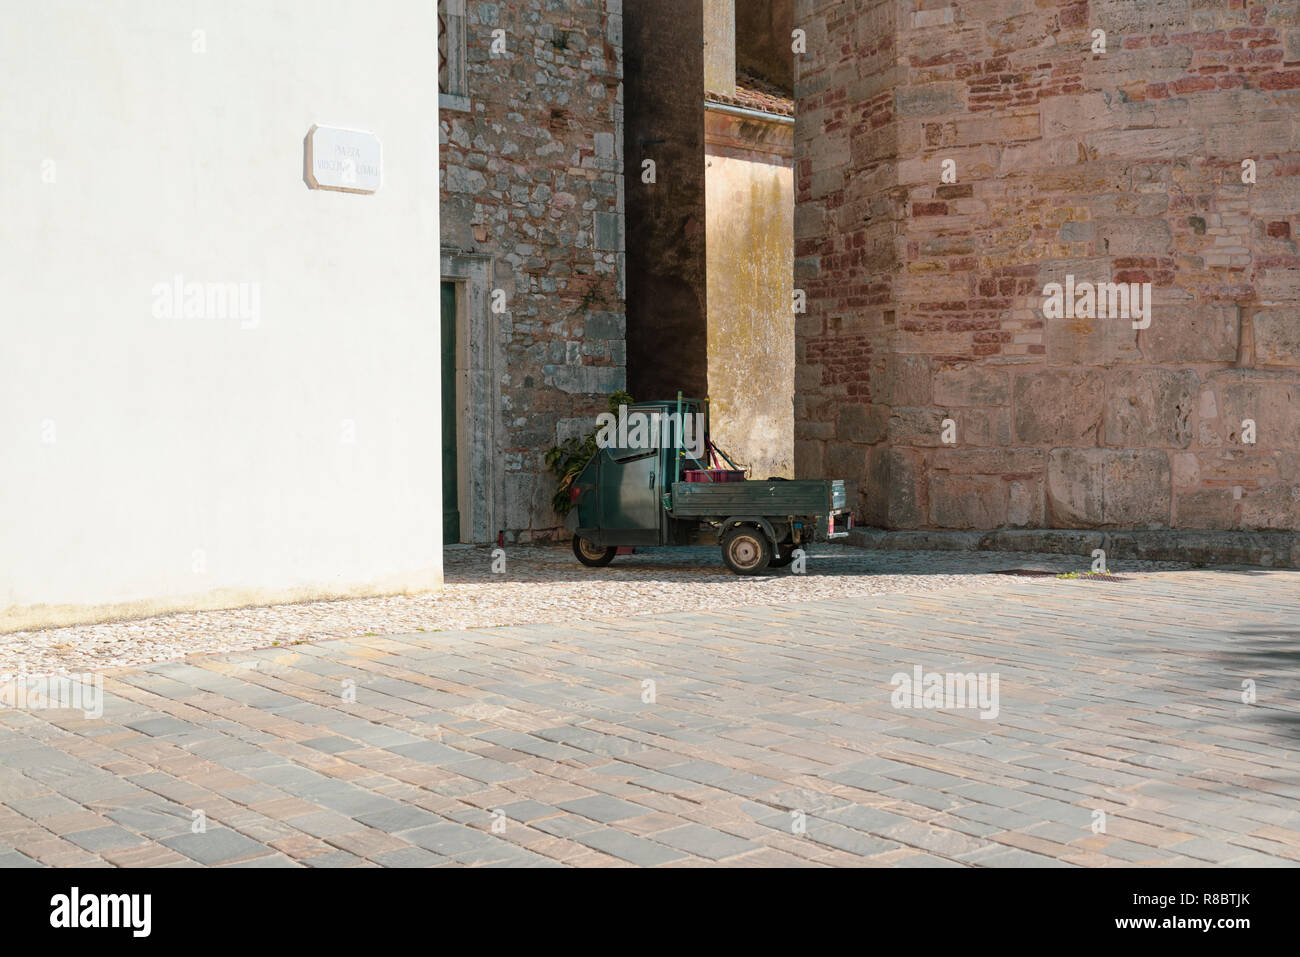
{"x": 746, "y": 550}
{"x": 591, "y": 554}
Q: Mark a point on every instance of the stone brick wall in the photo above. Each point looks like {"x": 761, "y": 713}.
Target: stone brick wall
{"x": 926, "y": 298}
{"x": 667, "y": 332}
{"x": 845, "y": 230}
{"x": 763, "y": 43}
{"x": 532, "y": 178}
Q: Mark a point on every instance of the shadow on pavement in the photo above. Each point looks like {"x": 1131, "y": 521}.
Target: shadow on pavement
{"x": 704, "y": 563}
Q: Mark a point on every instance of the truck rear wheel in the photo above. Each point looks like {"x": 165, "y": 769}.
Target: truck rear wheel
{"x": 591, "y": 554}
{"x": 746, "y": 550}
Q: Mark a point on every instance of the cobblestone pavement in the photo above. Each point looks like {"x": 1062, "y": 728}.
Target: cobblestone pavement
{"x": 770, "y": 740}
{"x": 539, "y": 584}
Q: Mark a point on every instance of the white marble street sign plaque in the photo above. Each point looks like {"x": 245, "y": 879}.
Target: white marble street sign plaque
{"x": 347, "y": 160}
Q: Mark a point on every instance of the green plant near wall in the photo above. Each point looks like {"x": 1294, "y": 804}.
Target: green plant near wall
{"x": 567, "y": 460}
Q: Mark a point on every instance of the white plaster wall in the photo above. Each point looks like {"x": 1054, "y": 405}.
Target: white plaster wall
{"x": 195, "y": 462}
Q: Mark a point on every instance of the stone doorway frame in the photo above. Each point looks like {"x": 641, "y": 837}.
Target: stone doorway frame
{"x": 479, "y": 485}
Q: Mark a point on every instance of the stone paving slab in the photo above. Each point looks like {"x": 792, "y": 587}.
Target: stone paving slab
{"x": 540, "y": 585}
{"x": 1125, "y": 734}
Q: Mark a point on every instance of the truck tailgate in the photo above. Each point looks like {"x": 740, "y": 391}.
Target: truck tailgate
{"x": 723, "y": 499}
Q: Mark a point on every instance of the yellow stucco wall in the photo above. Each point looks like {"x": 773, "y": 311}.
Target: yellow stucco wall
{"x": 749, "y": 203}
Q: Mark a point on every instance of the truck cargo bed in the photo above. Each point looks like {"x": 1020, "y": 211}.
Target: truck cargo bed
{"x": 725, "y": 499}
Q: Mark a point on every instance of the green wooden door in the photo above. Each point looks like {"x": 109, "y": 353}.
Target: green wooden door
{"x": 450, "y": 413}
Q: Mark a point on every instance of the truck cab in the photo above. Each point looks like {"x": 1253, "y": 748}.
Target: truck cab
{"x": 618, "y": 498}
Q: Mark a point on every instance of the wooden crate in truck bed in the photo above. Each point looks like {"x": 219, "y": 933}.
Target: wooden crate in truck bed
{"x": 722, "y": 500}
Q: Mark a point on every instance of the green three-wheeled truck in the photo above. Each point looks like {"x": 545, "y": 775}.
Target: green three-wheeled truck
{"x": 659, "y": 493}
